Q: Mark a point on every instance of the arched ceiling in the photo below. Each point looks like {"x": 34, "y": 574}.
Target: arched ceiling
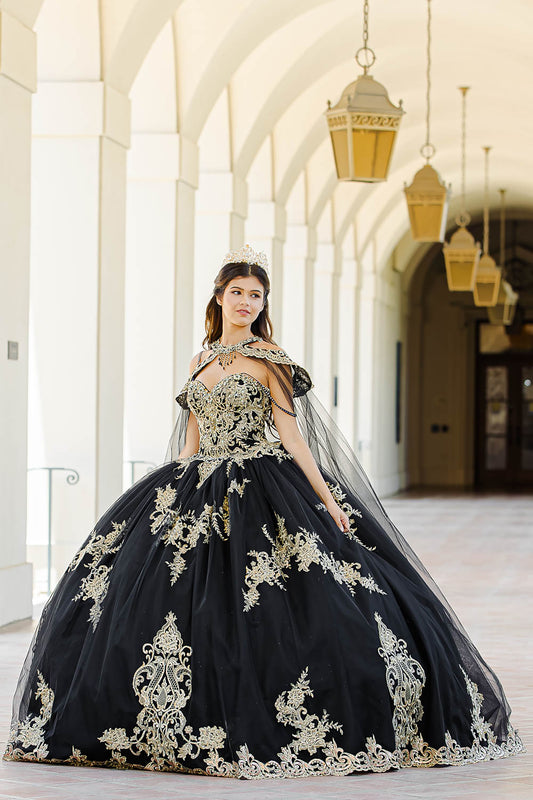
{"x": 275, "y": 64}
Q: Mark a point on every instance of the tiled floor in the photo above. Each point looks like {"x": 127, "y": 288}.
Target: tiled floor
{"x": 480, "y": 550}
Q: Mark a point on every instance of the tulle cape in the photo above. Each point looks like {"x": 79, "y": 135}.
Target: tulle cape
{"x": 339, "y": 464}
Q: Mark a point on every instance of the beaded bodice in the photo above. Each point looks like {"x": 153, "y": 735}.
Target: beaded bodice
{"x": 231, "y": 416}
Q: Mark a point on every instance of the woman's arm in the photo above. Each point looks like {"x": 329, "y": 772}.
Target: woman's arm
{"x": 293, "y": 441}
{"x": 192, "y": 438}
{"x": 192, "y": 435}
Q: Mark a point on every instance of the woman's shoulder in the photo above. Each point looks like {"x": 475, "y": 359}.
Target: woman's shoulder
{"x": 196, "y": 360}
{"x": 264, "y": 345}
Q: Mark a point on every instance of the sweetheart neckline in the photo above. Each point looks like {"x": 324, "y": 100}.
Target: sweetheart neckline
{"x": 231, "y": 375}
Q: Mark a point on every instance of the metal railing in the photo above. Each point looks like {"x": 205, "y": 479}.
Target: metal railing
{"x": 133, "y": 463}
{"x": 72, "y": 478}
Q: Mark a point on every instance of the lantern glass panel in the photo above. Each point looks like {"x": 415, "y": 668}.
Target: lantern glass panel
{"x": 426, "y": 222}
{"x": 461, "y": 272}
{"x": 372, "y": 151}
{"x": 339, "y": 141}
{"x": 485, "y": 294}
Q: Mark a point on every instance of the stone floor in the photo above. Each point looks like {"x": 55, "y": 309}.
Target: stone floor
{"x": 480, "y": 550}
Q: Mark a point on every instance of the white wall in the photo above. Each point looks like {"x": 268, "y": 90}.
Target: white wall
{"x": 149, "y": 322}
{"x": 17, "y": 81}
{"x": 63, "y": 326}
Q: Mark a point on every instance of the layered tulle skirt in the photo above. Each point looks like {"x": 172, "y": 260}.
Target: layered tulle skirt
{"x": 223, "y": 624}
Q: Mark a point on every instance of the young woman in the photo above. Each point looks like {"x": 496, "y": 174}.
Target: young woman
{"x": 247, "y": 609}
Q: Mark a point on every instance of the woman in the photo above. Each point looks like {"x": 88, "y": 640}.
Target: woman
{"x": 248, "y": 609}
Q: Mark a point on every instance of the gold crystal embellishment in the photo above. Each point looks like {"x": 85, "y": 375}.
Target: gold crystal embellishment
{"x": 163, "y": 687}
{"x": 231, "y": 421}
{"x": 246, "y": 255}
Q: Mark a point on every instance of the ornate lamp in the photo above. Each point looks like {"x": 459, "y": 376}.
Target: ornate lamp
{"x": 364, "y": 123}
{"x": 488, "y": 276}
{"x": 461, "y": 255}
{"x": 504, "y": 310}
{"x": 427, "y": 196}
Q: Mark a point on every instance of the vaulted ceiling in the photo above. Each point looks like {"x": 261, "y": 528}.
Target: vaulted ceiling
{"x": 249, "y": 81}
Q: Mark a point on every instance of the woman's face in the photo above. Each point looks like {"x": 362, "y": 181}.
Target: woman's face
{"x": 242, "y": 301}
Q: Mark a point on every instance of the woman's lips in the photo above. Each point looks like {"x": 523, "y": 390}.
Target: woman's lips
{"x": 243, "y": 312}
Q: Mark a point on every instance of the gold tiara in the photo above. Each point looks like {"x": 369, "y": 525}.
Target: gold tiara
{"x": 246, "y": 255}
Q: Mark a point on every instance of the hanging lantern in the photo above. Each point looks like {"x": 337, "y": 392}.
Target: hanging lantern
{"x": 487, "y": 283}
{"x": 427, "y": 196}
{"x": 461, "y": 255}
{"x": 503, "y": 312}
{"x": 364, "y": 123}
{"x": 488, "y": 276}
{"x": 427, "y": 203}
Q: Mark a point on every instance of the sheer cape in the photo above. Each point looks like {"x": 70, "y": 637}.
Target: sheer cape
{"x": 339, "y": 464}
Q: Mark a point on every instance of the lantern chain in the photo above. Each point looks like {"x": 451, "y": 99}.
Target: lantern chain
{"x": 486, "y": 205}
{"x": 502, "y": 232}
{"x": 365, "y": 56}
{"x": 428, "y": 150}
{"x": 463, "y": 217}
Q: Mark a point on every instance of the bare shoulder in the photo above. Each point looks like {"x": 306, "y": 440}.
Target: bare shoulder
{"x": 262, "y": 345}
{"x": 194, "y": 360}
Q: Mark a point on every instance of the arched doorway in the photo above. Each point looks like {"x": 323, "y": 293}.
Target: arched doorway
{"x": 470, "y": 383}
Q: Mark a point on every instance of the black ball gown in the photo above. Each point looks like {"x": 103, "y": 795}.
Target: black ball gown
{"x": 217, "y": 621}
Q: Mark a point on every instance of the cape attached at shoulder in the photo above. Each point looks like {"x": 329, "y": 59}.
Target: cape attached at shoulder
{"x": 300, "y": 380}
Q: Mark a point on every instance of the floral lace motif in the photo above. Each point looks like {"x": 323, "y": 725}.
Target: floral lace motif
{"x": 351, "y": 512}
{"x": 95, "y": 585}
{"x": 311, "y": 729}
{"x": 183, "y": 529}
{"x": 405, "y": 680}
{"x": 29, "y": 734}
{"x": 304, "y": 546}
{"x": 163, "y": 686}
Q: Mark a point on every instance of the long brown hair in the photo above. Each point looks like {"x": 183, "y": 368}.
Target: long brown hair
{"x": 262, "y": 326}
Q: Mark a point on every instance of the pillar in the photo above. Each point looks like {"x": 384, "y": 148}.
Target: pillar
{"x": 81, "y": 137}
{"x": 266, "y": 230}
{"x": 221, "y": 211}
{"x": 17, "y": 83}
{"x": 162, "y": 181}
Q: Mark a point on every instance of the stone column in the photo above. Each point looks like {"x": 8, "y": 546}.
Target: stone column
{"x": 17, "y": 82}
{"x": 294, "y": 291}
{"x": 159, "y": 162}
{"x": 323, "y": 323}
{"x": 366, "y": 358}
{"x": 82, "y": 133}
{"x": 221, "y": 211}
{"x": 345, "y": 357}
{"x": 266, "y": 230}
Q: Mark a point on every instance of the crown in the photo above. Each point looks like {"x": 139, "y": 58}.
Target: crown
{"x": 246, "y": 255}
